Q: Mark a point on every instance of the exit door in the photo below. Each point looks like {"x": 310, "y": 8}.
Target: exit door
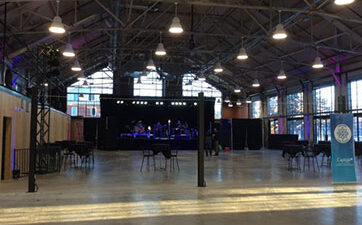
{"x": 6, "y": 149}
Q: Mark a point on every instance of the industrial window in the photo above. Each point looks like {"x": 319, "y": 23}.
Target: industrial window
{"x": 295, "y": 120}
{"x": 272, "y": 105}
{"x": 295, "y": 104}
{"x": 192, "y": 87}
{"x": 355, "y": 95}
{"x": 74, "y": 111}
{"x": 255, "y": 109}
{"x": 296, "y": 126}
{"x": 323, "y": 100}
{"x": 150, "y": 85}
{"x": 323, "y": 106}
{"x": 84, "y": 94}
{"x": 274, "y": 126}
{"x": 355, "y": 107}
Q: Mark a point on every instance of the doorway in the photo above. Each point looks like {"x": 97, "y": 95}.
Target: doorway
{"x": 6, "y": 149}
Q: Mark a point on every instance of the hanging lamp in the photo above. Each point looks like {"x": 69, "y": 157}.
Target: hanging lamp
{"x": 160, "y": 50}
{"x": 343, "y": 2}
{"x": 281, "y": 74}
{"x": 256, "y": 83}
{"x": 242, "y": 52}
{"x": 57, "y": 26}
{"x": 76, "y": 66}
{"x": 280, "y": 32}
{"x": 218, "y": 68}
{"x": 176, "y": 27}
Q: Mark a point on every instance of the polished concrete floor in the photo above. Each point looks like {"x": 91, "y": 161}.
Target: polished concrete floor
{"x": 248, "y": 187}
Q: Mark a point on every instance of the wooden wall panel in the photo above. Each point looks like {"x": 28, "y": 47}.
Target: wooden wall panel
{"x": 59, "y": 126}
{"x": 14, "y": 106}
{"x": 17, "y": 107}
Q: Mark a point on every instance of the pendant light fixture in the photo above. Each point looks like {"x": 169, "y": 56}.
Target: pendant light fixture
{"x": 68, "y": 50}
{"x": 279, "y": 32}
{"x": 57, "y": 26}
{"x": 248, "y": 100}
{"x": 242, "y": 52}
{"x": 317, "y": 64}
{"x": 237, "y": 89}
{"x": 139, "y": 81}
{"x": 176, "y": 27}
{"x": 81, "y": 77}
{"x": 76, "y": 66}
{"x": 256, "y": 83}
{"x": 227, "y": 99}
{"x": 281, "y": 74}
{"x": 160, "y": 50}
{"x": 218, "y": 68}
{"x": 238, "y": 102}
{"x": 343, "y": 2}
{"x": 150, "y": 64}
{"x": 85, "y": 84}
{"x": 202, "y": 77}
{"x": 230, "y": 105}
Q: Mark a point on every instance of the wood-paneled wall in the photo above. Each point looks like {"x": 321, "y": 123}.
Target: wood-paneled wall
{"x": 17, "y": 107}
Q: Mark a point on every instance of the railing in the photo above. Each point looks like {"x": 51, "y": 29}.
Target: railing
{"x": 21, "y": 162}
{"x": 48, "y": 160}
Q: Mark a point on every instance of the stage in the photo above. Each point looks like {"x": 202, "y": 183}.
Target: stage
{"x": 141, "y": 143}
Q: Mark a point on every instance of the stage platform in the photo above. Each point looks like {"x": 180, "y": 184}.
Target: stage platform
{"x": 144, "y": 143}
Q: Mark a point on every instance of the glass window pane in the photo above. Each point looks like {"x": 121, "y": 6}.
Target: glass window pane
{"x": 255, "y": 109}
{"x": 272, "y": 105}
{"x": 192, "y": 87}
{"x": 81, "y": 99}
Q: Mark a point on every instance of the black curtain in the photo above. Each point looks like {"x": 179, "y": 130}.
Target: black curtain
{"x": 225, "y": 133}
{"x": 254, "y": 134}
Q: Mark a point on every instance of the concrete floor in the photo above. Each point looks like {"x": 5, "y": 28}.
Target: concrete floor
{"x": 248, "y": 187}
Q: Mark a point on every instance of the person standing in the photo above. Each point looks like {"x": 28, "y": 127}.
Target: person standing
{"x": 215, "y": 140}
{"x": 208, "y": 144}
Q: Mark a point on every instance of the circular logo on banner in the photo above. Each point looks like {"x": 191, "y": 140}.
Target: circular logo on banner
{"x": 342, "y": 133}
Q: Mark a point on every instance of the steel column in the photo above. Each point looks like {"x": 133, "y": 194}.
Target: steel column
{"x": 33, "y": 136}
{"x": 200, "y": 157}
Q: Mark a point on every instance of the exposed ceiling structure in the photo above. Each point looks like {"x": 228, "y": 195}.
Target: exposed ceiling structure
{"x": 122, "y": 34}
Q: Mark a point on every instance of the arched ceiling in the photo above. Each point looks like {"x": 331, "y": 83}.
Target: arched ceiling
{"x": 123, "y": 33}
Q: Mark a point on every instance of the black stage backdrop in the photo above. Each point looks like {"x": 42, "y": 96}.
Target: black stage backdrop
{"x": 118, "y": 112}
{"x": 245, "y": 132}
